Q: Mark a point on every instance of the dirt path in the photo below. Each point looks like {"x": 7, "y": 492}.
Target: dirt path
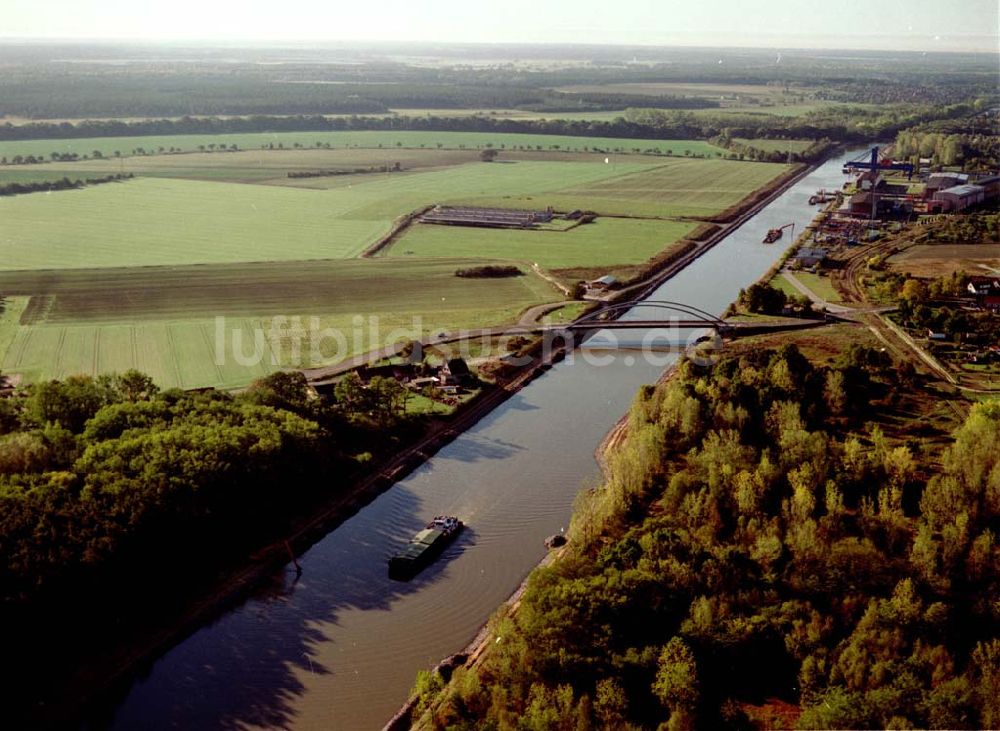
{"x": 803, "y": 289}
{"x": 550, "y": 279}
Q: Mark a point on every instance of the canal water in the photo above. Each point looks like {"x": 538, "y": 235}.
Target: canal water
{"x": 338, "y": 648}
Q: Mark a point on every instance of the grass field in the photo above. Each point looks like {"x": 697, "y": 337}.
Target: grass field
{"x": 147, "y": 222}
{"x": 150, "y": 221}
{"x": 247, "y": 166}
{"x": 779, "y": 282}
{"x": 678, "y": 187}
{"x": 360, "y": 139}
{"x": 271, "y": 167}
{"x": 776, "y": 145}
{"x": 134, "y": 274}
{"x": 163, "y": 320}
{"x": 821, "y": 286}
{"x": 606, "y": 242}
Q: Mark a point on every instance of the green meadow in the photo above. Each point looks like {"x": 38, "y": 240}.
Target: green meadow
{"x": 135, "y": 273}
{"x": 163, "y": 320}
{"x": 125, "y": 146}
{"x": 677, "y": 187}
{"x": 605, "y": 242}
{"x": 148, "y": 221}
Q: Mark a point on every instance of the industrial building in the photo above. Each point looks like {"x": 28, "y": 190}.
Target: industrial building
{"x": 943, "y": 181}
{"x": 957, "y": 198}
{"x": 809, "y": 256}
{"x": 990, "y": 186}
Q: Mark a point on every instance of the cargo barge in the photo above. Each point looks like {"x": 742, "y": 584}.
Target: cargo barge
{"x": 424, "y": 547}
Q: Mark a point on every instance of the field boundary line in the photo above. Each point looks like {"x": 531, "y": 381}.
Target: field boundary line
{"x": 173, "y": 355}
{"x": 207, "y": 339}
{"x": 60, "y": 367}
{"x": 398, "y": 227}
{"x": 95, "y": 359}
{"x": 23, "y": 345}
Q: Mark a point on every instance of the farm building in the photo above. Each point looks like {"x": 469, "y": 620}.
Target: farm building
{"x": 486, "y": 217}
{"x": 456, "y": 372}
{"x": 402, "y": 372}
{"x": 957, "y": 198}
{"x": 986, "y": 291}
{"x": 603, "y": 283}
{"x": 942, "y": 181}
{"x": 809, "y": 256}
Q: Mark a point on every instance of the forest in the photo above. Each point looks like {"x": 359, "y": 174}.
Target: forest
{"x": 62, "y": 81}
{"x": 969, "y": 141}
{"x": 761, "y": 555}
{"x": 99, "y": 476}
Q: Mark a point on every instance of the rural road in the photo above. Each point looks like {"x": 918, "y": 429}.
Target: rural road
{"x": 845, "y": 311}
{"x": 530, "y": 317}
{"x": 830, "y": 307}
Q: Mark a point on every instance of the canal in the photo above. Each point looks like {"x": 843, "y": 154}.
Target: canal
{"x": 338, "y": 647}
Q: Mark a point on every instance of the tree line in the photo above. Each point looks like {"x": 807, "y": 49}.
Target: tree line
{"x": 61, "y": 184}
{"x": 837, "y": 124}
{"x": 758, "y": 555}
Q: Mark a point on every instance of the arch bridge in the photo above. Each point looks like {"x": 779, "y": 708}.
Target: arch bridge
{"x": 684, "y": 317}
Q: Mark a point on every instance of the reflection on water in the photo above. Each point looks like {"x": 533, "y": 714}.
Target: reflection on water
{"x": 339, "y": 647}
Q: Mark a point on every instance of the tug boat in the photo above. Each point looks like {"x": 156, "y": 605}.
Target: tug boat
{"x": 424, "y": 547}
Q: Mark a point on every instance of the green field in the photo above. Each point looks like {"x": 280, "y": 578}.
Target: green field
{"x": 135, "y": 273}
{"x": 678, "y": 187}
{"x": 775, "y": 145}
{"x": 821, "y": 286}
{"x": 164, "y": 320}
{"x": 271, "y": 167}
{"x": 606, "y": 242}
{"x": 150, "y": 221}
{"x": 780, "y": 282}
{"x": 248, "y": 166}
{"x": 361, "y": 139}
{"x": 147, "y": 222}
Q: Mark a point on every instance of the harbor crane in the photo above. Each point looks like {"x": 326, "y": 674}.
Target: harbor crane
{"x": 871, "y": 161}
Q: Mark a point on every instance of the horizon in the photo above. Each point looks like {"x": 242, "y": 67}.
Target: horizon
{"x": 921, "y": 26}
{"x": 330, "y": 43}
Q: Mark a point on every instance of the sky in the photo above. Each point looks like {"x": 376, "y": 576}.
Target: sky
{"x": 918, "y": 25}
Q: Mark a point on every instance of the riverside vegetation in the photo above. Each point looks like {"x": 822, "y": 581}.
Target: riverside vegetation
{"x": 759, "y": 556}
{"x": 139, "y": 499}
{"x": 99, "y": 475}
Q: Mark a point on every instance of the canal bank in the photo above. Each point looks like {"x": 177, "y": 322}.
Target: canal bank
{"x": 339, "y": 647}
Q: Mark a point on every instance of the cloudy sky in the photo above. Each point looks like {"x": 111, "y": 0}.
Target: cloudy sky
{"x": 921, "y": 25}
